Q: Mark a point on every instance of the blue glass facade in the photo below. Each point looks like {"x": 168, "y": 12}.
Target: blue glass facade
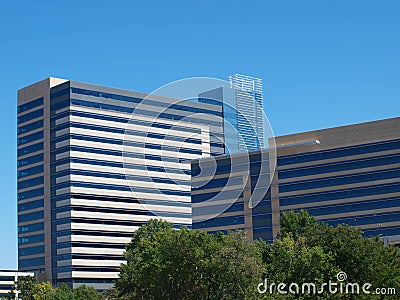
{"x": 30, "y": 185}
{"x": 345, "y": 175}
{"x": 359, "y": 191}
{"x": 222, "y": 202}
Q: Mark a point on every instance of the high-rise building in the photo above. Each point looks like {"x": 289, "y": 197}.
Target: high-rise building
{"x": 242, "y": 104}
{"x": 95, "y": 163}
{"x": 343, "y": 175}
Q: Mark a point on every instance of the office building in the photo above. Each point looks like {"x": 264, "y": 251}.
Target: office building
{"x": 242, "y": 105}
{"x": 343, "y": 175}
{"x": 230, "y": 192}
{"x": 7, "y": 280}
{"x": 95, "y": 163}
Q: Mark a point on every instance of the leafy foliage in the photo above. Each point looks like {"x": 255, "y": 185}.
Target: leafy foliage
{"x": 163, "y": 263}
{"x": 311, "y": 251}
{"x": 24, "y": 284}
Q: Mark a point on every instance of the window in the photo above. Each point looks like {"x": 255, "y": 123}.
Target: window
{"x": 30, "y": 105}
{"x": 30, "y": 138}
{"x": 28, "y": 161}
{"x": 31, "y": 171}
{"x": 30, "y": 127}
{"x": 29, "y": 116}
{"x": 30, "y": 149}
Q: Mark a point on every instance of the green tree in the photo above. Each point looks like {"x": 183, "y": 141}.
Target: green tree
{"x": 295, "y": 223}
{"x": 84, "y": 292}
{"x": 163, "y": 263}
{"x": 311, "y": 251}
{"x": 24, "y": 285}
{"x": 42, "y": 291}
{"x": 63, "y": 292}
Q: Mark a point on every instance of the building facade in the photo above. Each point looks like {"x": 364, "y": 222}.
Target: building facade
{"x": 230, "y": 192}
{"x": 7, "y": 280}
{"x": 351, "y": 176}
{"x": 343, "y": 175}
{"x": 95, "y": 163}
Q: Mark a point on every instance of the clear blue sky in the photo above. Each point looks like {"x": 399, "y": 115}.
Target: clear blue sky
{"x": 324, "y": 63}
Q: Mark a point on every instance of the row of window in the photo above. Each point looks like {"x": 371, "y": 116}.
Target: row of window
{"x": 30, "y": 250}
{"x": 30, "y": 138}
{"x": 30, "y": 182}
{"x": 120, "y": 165}
{"x": 384, "y": 231}
{"x": 339, "y": 152}
{"x": 366, "y": 219}
{"x": 30, "y": 205}
{"x": 222, "y": 221}
{"x": 339, "y": 180}
{"x": 70, "y": 256}
{"x": 220, "y": 195}
{"x": 174, "y": 202}
{"x": 340, "y": 166}
{"x": 31, "y": 194}
{"x": 120, "y": 188}
{"x": 229, "y": 168}
{"x": 31, "y": 227}
{"x": 104, "y": 117}
{"x": 29, "y": 161}
{"x": 212, "y": 209}
{"x": 30, "y": 127}
{"x": 29, "y": 105}
{"x": 123, "y": 176}
{"x": 128, "y": 143}
{"x": 99, "y": 209}
{"x": 30, "y": 116}
{"x": 118, "y": 153}
{"x": 36, "y": 238}
{"x": 340, "y": 194}
{"x": 30, "y": 149}
{"x": 218, "y": 183}
{"x": 393, "y": 203}
{"x": 30, "y": 171}
{"x": 161, "y": 115}
{"x": 143, "y": 101}
{"x": 30, "y": 262}
{"x": 108, "y": 129}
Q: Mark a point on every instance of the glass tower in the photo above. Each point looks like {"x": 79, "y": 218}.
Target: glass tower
{"x": 242, "y": 104}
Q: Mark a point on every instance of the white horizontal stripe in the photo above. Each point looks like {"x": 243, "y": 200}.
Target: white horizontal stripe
{"x": 103, "y": 227}
{"x": 122, "y": 217}
{"x": 138, "y": 150}
{"x": 93, "y": 239}
{"x": 141, "y": 139}
{"x": 82, "y": 274}
{"x": 90, "y": 250}
{"x": 131, "y": 183}
{"x": 90, "y": 262}
{"x": 130, "y": 171}
{"x": 125, "y": 205}
{"x": 127, "y": 160}
{"x": 129, "y": 194}
{"x": 136, "y": 117}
